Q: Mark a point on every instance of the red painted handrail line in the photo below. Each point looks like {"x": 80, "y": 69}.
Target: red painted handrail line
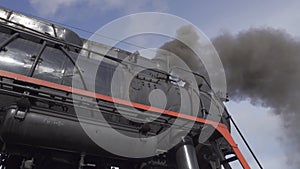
{"x": 218, "y": 126}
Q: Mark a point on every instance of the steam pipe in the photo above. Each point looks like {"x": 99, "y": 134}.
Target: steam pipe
{"x": 186, "y": 154}
{"x": 36, "y": 61}
{"x": 76, "y": 66}
{"x": 7, "y": 41}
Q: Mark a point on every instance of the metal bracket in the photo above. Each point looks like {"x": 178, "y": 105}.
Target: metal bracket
{"x": 20, "y": 114}
{"x": 82, "y": 163}
{"x": 22, "y": 107}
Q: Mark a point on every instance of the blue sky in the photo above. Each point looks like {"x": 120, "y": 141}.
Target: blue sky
{"x": 260, "y": 126}
{"x": 212, "y": 17}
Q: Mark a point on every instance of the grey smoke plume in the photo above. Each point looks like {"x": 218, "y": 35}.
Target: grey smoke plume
{"x": 262, "y": 65}
{"x": 184, "y": 51}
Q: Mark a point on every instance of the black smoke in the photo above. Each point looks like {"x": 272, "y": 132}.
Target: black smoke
{"x": 181, "y": 50}
{"x": 263, "y": 65}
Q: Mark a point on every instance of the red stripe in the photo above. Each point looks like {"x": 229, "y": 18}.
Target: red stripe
{"x": 219, "y": 126}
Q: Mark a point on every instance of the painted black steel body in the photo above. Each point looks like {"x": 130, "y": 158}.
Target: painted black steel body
{"x": 36, "y": 119}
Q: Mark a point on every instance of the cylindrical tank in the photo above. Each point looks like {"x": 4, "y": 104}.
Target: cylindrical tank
{"x": 186, "y": 155}
{"x": 46, "y": 130}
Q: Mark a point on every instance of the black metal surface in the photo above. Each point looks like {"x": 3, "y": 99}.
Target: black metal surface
{"x": 49, "y": 121}
{"x": 32, "y": 24}
{"x": 65, "y": 100}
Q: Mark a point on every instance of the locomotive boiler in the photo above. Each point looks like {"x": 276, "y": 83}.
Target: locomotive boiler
{"x": 48, "y": 100}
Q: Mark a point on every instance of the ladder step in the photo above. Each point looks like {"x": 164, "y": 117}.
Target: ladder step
{"x": 229, "y": 160}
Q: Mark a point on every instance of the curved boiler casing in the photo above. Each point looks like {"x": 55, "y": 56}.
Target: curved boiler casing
{"x": 45, "y": 129}
{"x": 38, "y": 69}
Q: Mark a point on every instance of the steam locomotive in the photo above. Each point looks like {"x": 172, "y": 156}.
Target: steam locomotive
{"x": 47, "y": 99}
